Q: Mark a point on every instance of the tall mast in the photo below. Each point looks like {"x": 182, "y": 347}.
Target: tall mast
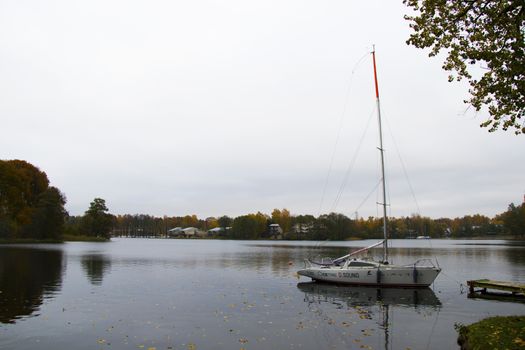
{"x": 381, "y": 151}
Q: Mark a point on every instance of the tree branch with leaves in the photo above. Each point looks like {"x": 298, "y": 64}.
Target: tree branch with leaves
{"x": 489, "y": 33}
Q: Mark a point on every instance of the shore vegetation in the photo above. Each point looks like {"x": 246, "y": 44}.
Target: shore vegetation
{"x": 493, "y": 333}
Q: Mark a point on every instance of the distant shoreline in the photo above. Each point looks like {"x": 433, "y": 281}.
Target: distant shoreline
{"x": 65, "y": 239}
{"x": 72, "y": 238}
{"x": 82, "y": 238}
{"x": 29, "y": 241}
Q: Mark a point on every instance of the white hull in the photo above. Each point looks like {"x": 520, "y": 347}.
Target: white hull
{"x": 378, "y": 275}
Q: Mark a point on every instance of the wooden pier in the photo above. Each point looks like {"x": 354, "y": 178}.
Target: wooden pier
{"x": 490, "y": 289}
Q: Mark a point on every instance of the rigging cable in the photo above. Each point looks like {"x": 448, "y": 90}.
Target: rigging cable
{"x": 403, "y": 166}
{"x": 412, "y": 192}
{"x": 341, "y": 119}
{"x": 350, "y": 167}
{"x": 368, "y": 196}
{"x": 432, "y": 330}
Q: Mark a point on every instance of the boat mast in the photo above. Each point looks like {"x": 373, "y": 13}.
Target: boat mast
{"x": 381, "y": 151}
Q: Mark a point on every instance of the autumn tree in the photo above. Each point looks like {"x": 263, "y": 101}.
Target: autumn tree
{"x": 48, "y": 217}
{"x": 29, "y": 208}
{"x": 514, "y": 219}
{"x": 20, "y": 185}
{"x": 488, "y": 33}
{"x": 225, "y": 221}
{"x": 283, "y": 218}
{"x": 333, "y": 226}
{"x": 211, "y": 223}
{"x": 251, "y": 226}
{"x": 190, "y": 221}
{"x": 97, "y": 220}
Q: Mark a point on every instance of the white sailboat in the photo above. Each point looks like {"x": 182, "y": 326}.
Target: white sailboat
{"x": 349, "y": 269}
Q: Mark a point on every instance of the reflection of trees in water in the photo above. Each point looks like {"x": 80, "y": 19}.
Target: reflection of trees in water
{"x": 516, "y": 258}
{"x": 27, "y": 277}
{"x": 276, "y": 259}
{"x": 515, "y": 254}
{"x": 95, "y": 266}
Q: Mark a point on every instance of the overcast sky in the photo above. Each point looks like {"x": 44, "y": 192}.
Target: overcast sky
{"x": 230, "y": 107}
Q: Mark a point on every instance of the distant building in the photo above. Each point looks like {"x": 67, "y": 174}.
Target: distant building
{"x": 191, "y": 232}
{"x": 187, "y": 232}
{"x": 275, "y": 231}
{"x": 217, "y": 231}
{"x": 302, "y": 228}
{"x": 175, "y": 232}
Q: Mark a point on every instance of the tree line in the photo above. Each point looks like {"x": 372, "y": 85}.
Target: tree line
{"x": 32, "y": 209}
{"x": 333, "y": 226}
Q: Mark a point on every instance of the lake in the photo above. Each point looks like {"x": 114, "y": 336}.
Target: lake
{"x": 213, "y": 294}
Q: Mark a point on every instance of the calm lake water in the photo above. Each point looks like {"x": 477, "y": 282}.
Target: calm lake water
{"x": 205, "y": 294}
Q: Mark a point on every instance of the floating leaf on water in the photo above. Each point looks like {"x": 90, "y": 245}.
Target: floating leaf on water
{"x": 191, "y": 346}
{"x": 367, "y": 332}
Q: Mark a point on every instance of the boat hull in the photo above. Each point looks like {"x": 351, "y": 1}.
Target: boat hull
{"x": 384, "y": 275}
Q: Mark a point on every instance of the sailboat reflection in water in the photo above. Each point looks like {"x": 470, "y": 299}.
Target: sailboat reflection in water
{"x": 362, "y": 296}
{"x": 368, "y": 310}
